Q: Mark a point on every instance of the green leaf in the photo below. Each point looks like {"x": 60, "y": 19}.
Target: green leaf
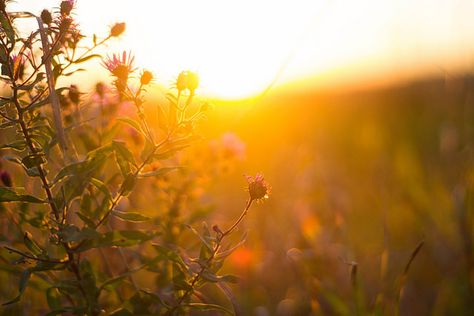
{"x": 202, "y": 238}
{"x": 132, "y": 123}
{"x": 128, "y": 184}
{"x": 84, "y": 59}
{"x": 211, "y": 277}
{"x": 16, "y": 145}
{"x": 7, "y": 195}
{"x": 71, "y": 233}
{"x": 7, "y": 124}
{"x": 131, "y": 216}
{"x": 25, "y": 277}
{"x": 31, "y": 161}
{"x": 39, "y": 76}
{"x": 118, "y": 238}
{"x": 33, "y": 246}
{"x": 89, "y": 222}
{"x": 121, "y": 149}
{"x": 123, "y": 157}
{"x": 112, "y": 283}
{"x": 158, "y": 172}
{"x": 208, "y": 307}
{"x": 53, "y": 298}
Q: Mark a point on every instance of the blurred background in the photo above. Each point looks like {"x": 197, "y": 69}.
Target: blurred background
{"x": 360, "y": 116}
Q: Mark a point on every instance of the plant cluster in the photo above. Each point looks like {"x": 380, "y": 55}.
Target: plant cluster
{"x": 73, "y": 169}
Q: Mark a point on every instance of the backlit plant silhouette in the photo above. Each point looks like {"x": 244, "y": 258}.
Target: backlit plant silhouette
{"x": 72, "y": 168}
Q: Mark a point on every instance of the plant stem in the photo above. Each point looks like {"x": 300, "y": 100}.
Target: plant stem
{"x": 216, "y": 248}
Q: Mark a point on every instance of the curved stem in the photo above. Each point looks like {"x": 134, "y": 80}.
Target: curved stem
{"x": 216, "y": 248}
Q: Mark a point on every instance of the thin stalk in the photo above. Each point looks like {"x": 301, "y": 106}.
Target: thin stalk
{"x": 216, "y": 248}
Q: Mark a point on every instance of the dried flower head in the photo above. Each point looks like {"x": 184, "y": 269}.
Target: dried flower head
{"x": 117, "y": 29}
{"x": 146, "y": 77}
{"x": 46, "y": 17}
{"x": 66, "y": 7}
{"x": 65, "y": 23}
{"x": 258, "y": 188}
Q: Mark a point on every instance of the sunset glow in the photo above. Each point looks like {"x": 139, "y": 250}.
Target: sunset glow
{"x": 240, "y": 48}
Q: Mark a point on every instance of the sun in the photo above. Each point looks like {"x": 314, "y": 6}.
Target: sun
{"x": 236, "y": 47}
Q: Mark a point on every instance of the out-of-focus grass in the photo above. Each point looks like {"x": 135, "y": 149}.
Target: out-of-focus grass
{"x": 361, "y": 176}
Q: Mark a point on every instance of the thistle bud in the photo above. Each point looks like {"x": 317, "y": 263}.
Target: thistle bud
{"x": 46, "y": 17}
{"x": 66, "y": 7}
{"x": 146, "y": 77}
{"x": 258, "y": 188}
{"x": 117, "y": 29}
{"x": 193, "y": 81}
{"x": 182, "y": 81}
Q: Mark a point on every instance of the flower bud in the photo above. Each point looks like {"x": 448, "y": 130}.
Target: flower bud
{"x": 146, "y": 77}
{"x": 66, "y": 7}
{"x": 182, "y": 81}
{"x": 46, "y": 17}
{"x": 193, "y": 81}
{"x": 117, "y": 29}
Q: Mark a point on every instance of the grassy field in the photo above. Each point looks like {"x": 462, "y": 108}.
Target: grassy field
{"x": 359, "y": 178}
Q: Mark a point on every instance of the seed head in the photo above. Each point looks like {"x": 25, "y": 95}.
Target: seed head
{"x": 46, "y": 17}
{"x": 117, "y": 29}
{"x": 257, "y": 187}
{"x": 66, "y": 7}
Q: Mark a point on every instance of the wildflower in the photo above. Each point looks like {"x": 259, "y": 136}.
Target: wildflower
{"x": 65, "y": 23}
{"x": 66, "y": 7}
{"x": 6, "y": 178}
{"x": 117, "y": 29}
{"x": 257, "y": 187}
{"x": 187, "y": 80}
{"x": 120, "y": 66}
{"x": 46, "y": 17}
{"x": 146, "y": 77}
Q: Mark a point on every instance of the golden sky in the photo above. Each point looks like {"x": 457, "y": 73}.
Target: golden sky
{"x": 240, "y": 47}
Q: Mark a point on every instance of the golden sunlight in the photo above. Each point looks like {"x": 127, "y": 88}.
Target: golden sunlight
{"x": 240, "y": 48}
